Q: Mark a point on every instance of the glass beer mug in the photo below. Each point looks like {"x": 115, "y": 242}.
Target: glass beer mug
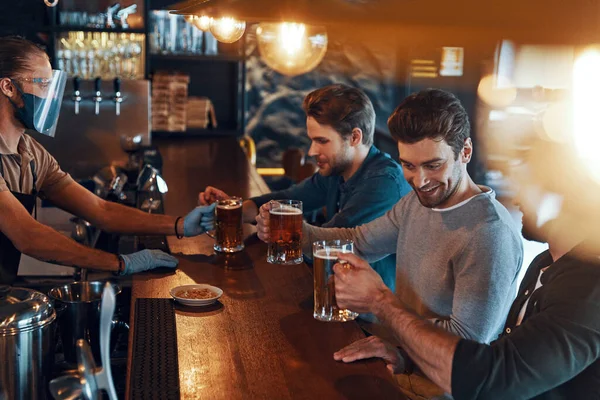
{"x": 229, "y": 235}
{"x": 325, "y": 256}
{"x": 285, "y": 223}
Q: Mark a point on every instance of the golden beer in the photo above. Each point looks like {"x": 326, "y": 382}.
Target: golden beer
{"x": 229, "y": 236}
{"x": 325, "y": 256}
{"x": 285, "y": 245}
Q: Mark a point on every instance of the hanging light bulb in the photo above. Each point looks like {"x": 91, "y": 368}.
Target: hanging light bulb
{"x": 291, "y": 48}
{"x": 200, "y": 22}
{"x": 226, "y": 29}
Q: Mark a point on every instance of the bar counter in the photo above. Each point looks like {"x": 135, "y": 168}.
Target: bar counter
{"x": 260, "y": 340}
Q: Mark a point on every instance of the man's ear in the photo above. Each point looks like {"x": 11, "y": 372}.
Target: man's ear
{"x": 7, "y": 87}
{"x": 356, "y": 137}
{"x": 467, "y": 151}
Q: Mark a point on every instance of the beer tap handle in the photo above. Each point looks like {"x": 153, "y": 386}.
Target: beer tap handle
{"x": 98, "y": 95}
{"x": 76, "y": 93}
{"x": 118, "y": 97}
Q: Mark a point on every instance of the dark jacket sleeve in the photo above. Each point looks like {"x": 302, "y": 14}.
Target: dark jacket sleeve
{"x": 369, "y": 201}
{"x": 549, "y": 348}
{"x": 312, "y": 192}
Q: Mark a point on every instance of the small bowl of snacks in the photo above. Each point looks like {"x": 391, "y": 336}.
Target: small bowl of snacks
{"x": 196, "y": 295}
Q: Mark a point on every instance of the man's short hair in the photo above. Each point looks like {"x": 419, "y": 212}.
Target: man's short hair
{"x": 431, "y": 114}
{"x": 343, "y": 108}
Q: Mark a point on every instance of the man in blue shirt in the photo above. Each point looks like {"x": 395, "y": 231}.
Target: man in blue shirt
{"x": 356, "y": 182}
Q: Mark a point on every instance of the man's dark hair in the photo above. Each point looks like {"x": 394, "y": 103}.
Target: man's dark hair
{"x": 431, "y": 114}
{"x": 15, "y": 55}
{"x": 343, "y": 108}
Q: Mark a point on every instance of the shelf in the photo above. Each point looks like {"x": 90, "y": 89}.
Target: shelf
{"x": 196, "y": 133}
{"x": 69, "y": 28}
{"x": 196, "y": 57}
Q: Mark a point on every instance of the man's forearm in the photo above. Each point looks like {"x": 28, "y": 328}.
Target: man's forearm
{"x": 431, "y": 348}
{"x": 48, "y": 245}
{"x": 312, "y": 233}
{"x": 128, "y": 220}
{"x": 362, "y": 247}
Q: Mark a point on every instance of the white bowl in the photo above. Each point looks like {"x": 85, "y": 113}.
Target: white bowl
{"x": 196, "y": 302}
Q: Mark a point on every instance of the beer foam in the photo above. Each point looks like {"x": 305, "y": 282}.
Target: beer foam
{"x": 325, "y": 254}
{"x": 228, "y": 206}
{"x": 286, "y": 210}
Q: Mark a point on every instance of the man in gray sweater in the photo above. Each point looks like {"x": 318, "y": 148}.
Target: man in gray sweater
{"x": 458, "y": 251}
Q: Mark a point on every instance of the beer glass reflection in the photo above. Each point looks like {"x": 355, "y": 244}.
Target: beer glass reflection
{"x": 228, "y": 225}
{"x": 325, "y": 256}
{"x": 285, "y": 244}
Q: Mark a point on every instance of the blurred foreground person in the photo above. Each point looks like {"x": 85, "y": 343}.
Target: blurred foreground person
{"x": 550, "y": 345}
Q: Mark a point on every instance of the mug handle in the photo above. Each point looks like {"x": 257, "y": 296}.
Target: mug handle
{"x": 212, "y": 235}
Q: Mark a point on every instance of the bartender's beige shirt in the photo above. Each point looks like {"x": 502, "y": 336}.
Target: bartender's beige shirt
{"x": 16, "y": 175}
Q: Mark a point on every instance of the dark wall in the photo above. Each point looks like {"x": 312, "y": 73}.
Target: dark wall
{"x": 26, "y": 18}
{"x": 275, "y": 118}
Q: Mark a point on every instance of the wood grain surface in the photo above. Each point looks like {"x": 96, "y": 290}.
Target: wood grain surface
{"x": 260, "y": 341}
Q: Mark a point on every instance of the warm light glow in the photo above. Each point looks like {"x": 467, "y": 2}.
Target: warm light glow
{"x": 497, "y": 91}
{"x": 227, "y": 30}
{"x": 586, "y": 105}
{"x": 200, "y": 22}
{"x": 203, "y": 22}
{"x": 270, "y": 171}
{"x": 557, "y": 122}
{"x": 291, "y": 48}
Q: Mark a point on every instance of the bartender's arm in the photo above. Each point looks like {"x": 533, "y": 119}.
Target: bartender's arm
{"x": 114, "y": 217}
{"x": 44, "y": 243}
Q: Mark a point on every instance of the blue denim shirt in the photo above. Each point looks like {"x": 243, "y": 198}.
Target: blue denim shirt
{"x": 374, "y": 188}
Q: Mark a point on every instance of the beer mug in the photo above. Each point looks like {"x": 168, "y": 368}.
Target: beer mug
{"x": 285, "y": 244}
{"x": 229, "y": 235}
{"x": 325, "y": 256}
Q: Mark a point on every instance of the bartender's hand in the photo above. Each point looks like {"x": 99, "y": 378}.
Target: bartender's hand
{"x": 371, "y": 347}
{"x": 147, "y": 259}
{"x": 357, "y": 286}
{"x": 210, "y": 195}
{"x": 199, "y": 220}
{"x": 262, "y": 223}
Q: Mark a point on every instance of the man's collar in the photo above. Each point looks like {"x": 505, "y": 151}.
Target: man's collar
{"x": 373, "y": 151}
{"x": 3, "y": 146}
{"x": 22, "y": 147}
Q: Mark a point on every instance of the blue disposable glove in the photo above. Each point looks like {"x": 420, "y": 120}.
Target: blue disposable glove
{"x": 147, "y": 259}
{"x": 199, "y": 220}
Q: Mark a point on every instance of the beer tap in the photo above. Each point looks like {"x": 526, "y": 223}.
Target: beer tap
{"x": 76, "y": 93}
{"x": 98, "y": 96}
{"x": 118, "y": 99}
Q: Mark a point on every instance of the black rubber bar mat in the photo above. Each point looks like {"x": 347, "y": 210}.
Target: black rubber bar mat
{"x": 154, "y": 368}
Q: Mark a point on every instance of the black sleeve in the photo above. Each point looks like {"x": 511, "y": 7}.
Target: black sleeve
{"x": 548, "y": 349}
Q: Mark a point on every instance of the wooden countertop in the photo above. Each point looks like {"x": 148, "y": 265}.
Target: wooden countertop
{"x": 260, "y": 340}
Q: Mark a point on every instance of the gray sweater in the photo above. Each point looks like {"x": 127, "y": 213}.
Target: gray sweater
{"x": 456, "y": 266}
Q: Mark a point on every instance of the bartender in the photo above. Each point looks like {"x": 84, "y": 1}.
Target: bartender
{"x": 30, "y": 97}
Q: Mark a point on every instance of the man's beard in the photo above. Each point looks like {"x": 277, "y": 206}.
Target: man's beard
{"x": 445, "y": 195}
{"x": 534, "y": 234}
{"x": 342, "y": 163}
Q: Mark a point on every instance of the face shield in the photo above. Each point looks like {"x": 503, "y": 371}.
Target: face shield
{"x": 41, "y": 104}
